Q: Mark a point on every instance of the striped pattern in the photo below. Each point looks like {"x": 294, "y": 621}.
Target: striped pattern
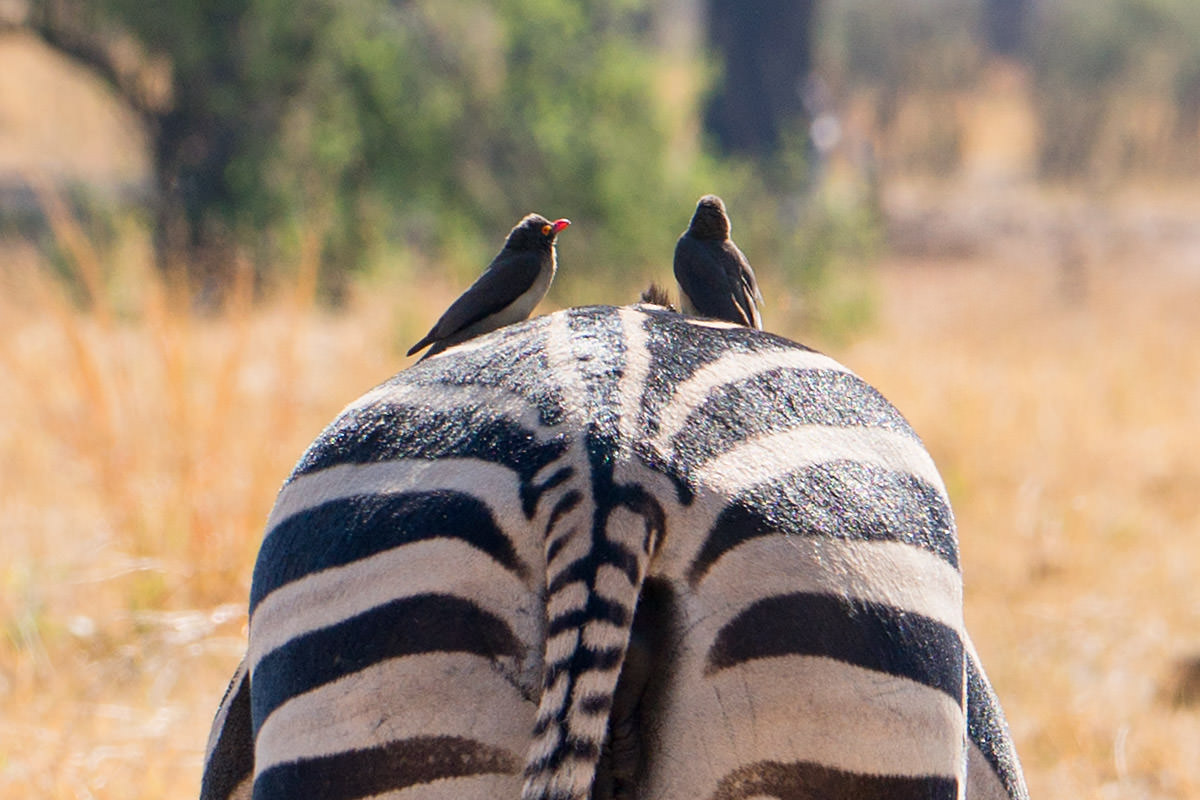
{"x": 612, "y": 553}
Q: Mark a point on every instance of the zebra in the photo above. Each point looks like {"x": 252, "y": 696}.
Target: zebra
{"x": 612, "y": 552}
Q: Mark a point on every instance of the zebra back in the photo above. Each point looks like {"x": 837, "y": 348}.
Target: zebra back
{"x": 612, "y": 552}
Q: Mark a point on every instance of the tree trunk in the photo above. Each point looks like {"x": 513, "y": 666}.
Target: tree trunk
{"x": 191, "y": 155}
{"x": 1005, "y": 26}
{"x": 191, "y": 148}
{"x": 765, "y": 49}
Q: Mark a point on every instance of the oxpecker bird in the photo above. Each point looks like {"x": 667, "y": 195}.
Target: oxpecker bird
{"x": 506, "y": 292}
{"x": 715, "y": 279}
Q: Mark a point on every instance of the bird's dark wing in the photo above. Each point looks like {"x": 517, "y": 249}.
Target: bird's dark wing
{"x": 749, "y": 297}
{"x": 508, "y": 277}
{"x": 706, "y": 273}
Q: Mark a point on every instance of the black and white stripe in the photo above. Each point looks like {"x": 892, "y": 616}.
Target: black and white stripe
{"x": 605, "y": 553}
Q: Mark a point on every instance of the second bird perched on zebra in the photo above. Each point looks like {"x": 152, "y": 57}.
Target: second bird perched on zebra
{"x": 613, "y": 553}
{"x": 715, "y": 279}
{"x": 507, "y": 291}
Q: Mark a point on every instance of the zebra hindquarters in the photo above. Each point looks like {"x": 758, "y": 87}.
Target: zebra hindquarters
{"x": 403, "y": 660}
{"x": 805, "y": 666}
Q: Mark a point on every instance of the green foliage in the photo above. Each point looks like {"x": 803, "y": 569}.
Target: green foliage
{"x": 413, "y": 134}
{"x": 429, "y": 127}
{"x": 1116, "y": 82}
{"x": 902, "y": 45}
{"x": 437, "y": 125}
{"x": 901, "y": 55}
{"x": 1100, "y": 64}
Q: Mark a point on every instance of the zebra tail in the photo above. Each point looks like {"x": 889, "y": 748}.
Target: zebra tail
{"x": 597, "y": 554}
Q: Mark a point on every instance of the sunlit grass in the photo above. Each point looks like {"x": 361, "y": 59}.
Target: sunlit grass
{"x": 142, "y": 443}
{"x": 141, "y": 446}
{"x": 1066, "y": 429}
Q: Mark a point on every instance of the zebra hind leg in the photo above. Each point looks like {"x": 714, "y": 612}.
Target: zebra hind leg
{"x": 229, "y": 757}
{"x": 623, "y": 759}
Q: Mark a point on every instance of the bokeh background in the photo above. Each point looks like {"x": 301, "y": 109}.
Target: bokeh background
{"x": 222, "y": 220}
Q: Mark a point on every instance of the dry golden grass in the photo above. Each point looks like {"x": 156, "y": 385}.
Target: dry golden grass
{"x": 1067, "y": 433}
{"x": 141, "y": 446}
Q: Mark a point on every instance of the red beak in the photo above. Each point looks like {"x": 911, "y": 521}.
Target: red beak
{"x": 559, "y": 224}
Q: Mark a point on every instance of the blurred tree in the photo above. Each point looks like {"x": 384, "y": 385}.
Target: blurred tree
{"x": 765, "y": 48}
{"x": 443, "y": 123}
{"x": 1005, "y": 24}
{"x": 431, "y": 124}
{"x": 910, "y": 59}
{"x": 211, "y": 82}
{"x": 1117, "y": 87}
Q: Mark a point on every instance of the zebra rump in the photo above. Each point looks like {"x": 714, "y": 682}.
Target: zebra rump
{"x": 612, "y": 553}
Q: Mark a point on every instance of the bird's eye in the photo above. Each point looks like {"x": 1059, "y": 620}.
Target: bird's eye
{"x": 546, "y": 230}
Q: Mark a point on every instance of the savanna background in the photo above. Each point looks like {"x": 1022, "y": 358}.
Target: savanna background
{"x": 221, "y": 221}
